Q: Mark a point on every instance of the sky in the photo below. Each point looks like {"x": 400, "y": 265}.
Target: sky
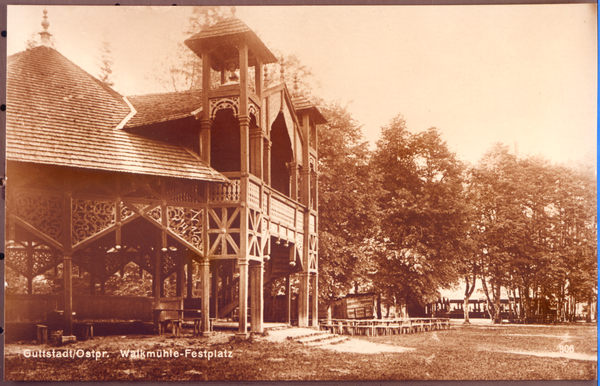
{"x": 524, "y": 75}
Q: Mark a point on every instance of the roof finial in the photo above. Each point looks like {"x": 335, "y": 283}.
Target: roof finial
{"x": 266, "y": 77}
{"x": 295, "y": 83}
{"x": 281, "y": 70}
{"x": 45, "y": 35}
{"x": 233, "y": 11}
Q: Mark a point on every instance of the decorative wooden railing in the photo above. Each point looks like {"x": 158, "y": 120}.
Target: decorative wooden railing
{"x": 279, "y": 209}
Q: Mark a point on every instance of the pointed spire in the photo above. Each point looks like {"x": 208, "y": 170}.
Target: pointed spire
{"x": 233, "y": 11}
{"x": 45, "y": 35}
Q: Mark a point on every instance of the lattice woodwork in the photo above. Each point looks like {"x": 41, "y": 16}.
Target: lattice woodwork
{"x": 274, "y": 108}
{"x": 232, "y": 103}
{"x": 156, "y": 214}
{"x": 254, "y": 195}
{"x": 299, "y": 243}
{"x": 169, "y": 264}
{"x": 282, "y": 212}
{"x": 289, "y": 121}
{"x": 91, "y": 217}
{"x": 42, "y": 213}
{"x": 126, "y": 212}
{"x": 226, "y": 193}
{"x": 253, "y": 110}
{"x": 30, "y": 258}
{"x": 186, "y": 223}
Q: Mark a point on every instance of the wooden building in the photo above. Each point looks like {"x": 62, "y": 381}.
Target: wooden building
{"x": 224, "y": 177}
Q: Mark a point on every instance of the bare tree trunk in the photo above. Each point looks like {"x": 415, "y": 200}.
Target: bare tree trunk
{"x": 468, "y": 292}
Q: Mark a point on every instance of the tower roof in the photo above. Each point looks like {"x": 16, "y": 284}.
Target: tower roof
{"x": 231, "y": 31}
{"x": 303, "y": 105}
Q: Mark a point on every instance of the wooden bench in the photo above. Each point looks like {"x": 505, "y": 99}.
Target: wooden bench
{"x": 174, "y": 317}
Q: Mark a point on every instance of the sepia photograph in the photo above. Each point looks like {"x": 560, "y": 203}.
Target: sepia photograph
{"x": 300, "y": 193}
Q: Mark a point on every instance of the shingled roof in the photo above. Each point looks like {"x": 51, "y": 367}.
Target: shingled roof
{"x": 59, "y": 114}
{"x": 229, "y": 31}
{"x": 302, "y": 104}
{"x": 154, "y": 108}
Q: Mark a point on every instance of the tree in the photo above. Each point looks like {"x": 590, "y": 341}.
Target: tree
{"x": 536, "y": 229}
{"x": 184, "y": 68}
{"x": 106, "y": 59}
{"x": 347, "y": 204}
{"x": 423, "y": 213}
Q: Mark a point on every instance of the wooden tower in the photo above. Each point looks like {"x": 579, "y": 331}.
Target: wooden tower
{"x": 264, "y": 140}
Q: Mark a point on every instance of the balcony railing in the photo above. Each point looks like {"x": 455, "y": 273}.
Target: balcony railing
{"x": 282, "y": 211}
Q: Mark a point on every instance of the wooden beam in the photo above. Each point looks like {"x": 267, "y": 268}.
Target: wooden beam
{"x": 48, "y": 240}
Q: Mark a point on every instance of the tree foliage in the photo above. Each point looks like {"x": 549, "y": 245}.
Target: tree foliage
{"x": 347, "y": 203}
{"x": 534, "y": 223}
{"x": 423, "y": 220}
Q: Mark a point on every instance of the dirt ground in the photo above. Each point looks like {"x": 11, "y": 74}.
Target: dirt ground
{"x": 473, "y": 352}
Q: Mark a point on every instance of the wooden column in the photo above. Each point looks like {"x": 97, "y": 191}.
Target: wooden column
{"x": 157, "y": 279}
{"x": 68, "y": 294}
{"x": 243, "y": 117}
{"x": 205, "y": 272}
{"x": 67, "y": 226}
{"x": 267, "y": 160}
{"x": 258, "y": 78}
{"x": 190, "y": 279}
{"x": 256, "y": 146}
{"x": 214, "y": 292}
{"x": 303, "y": 300}
{"x": 205, "y": 123}
{"x": 314, "y": 306}
{"x": 243, "y": 299}
{"x": 294, "y": 176}
{"x": 179, "y": 290}
{"x": 256, "y": 297}
{"x": 288, "y": 300}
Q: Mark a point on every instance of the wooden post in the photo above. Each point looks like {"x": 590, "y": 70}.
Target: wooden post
{"x": 256, "y": 297}
{"x": 267, "y": 159}
{"x": 205, "y": 272}
{"x": 180, "y": 275}
{"x": 314, "y": 283}
{"x": 190, "y": 279}
{"x": 214, "y": 293}
{"x": 205, "y": 123}
{"x": 243, "y": 299}
{"x": 258, "y": 78}
{"x": 256, "y": 152}
{"x": 68, "y": 294}
{"x": 303, "y": 300}
{"x": 288, "y": 300}
{"x": 157, "y": 279}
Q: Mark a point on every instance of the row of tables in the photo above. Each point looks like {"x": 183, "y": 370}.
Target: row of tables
{"x": 375, "y": 327}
